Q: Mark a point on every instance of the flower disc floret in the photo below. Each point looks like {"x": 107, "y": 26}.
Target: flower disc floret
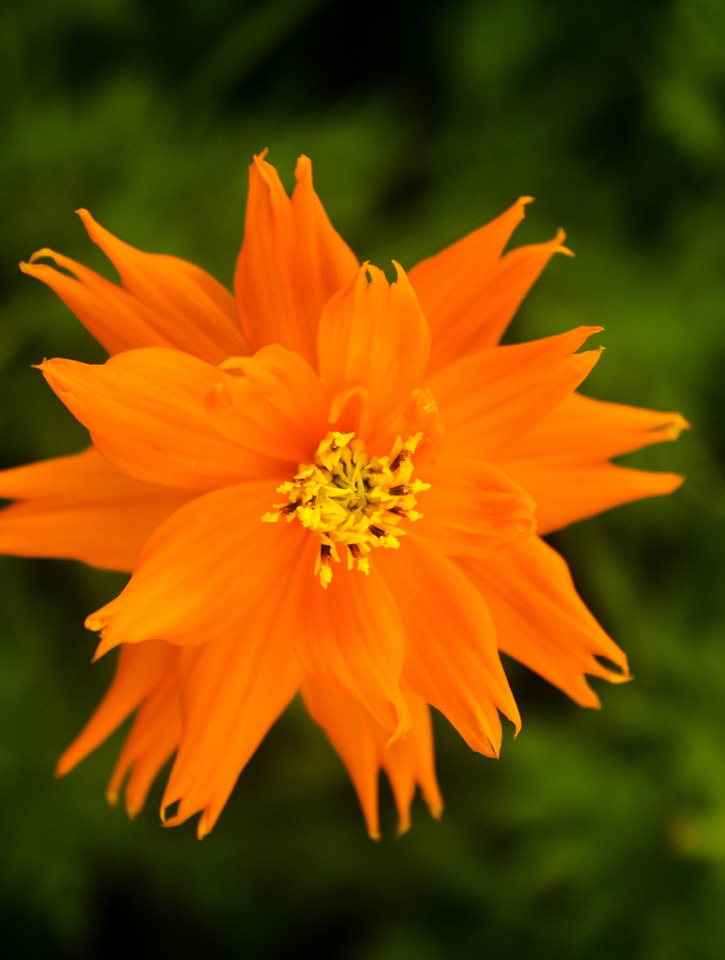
{"x": 350, "y": 499}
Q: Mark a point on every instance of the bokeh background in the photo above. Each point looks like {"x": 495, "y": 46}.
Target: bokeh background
{"x": 597, "y": 834}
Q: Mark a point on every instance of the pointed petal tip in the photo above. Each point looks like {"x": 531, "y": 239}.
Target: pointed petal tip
{"x": 665, "y": 483}
{"x": 303, "y": 168}
{"x": 104, "y": 647}
{"x": 63, "y": 766}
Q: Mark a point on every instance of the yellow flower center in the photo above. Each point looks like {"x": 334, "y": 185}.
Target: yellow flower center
{"x": 352, "y": 500}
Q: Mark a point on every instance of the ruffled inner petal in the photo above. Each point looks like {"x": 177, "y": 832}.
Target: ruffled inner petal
{"x": 472, "y": 508}
{"x": 271, "y": 403}
{"x": 373, "y": 339}
{"x": 542, "y": 622}
{"x": 145, "y": 410}
{"x": 452, "y": 659}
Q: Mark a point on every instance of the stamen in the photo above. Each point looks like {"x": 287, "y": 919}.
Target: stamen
{"x": 348, "y": 498}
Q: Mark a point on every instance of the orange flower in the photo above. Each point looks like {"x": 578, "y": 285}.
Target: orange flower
{"x": 326, "y": 484}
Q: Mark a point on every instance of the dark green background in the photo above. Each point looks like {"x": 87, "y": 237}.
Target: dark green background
{"x": 598, "y": 835}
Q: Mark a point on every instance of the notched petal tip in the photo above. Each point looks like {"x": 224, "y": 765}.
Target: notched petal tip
{"x": 85, "y": 217}
{"x": 672, "y": 430}
{"x": 303, "y": 168}
{"x": 558, "y": 243}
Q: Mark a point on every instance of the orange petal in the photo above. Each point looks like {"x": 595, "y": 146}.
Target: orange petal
{"x": 567, "y": 491}
{"x": 193, "y": 310}
{"x": 517, "y": 272}
{"x": 153, "y": 738}
{"x": 106, "y": 532}
{"x": 362, "y": 745}
{"x": 82, "y": 508}
{"x": 409, "y": 762}
{"x": 271, "y": 403}
{"x": 202, "y": 570}
{"x": 140, "y": 671}
{"x": 562, "y": 462}
{"x": 352, "y": 733}
{"x": 232, "y": 691}
{"x": 489, "y": 400}
{"x": 584, "y": 429}
{"x": 80, "y": 474}
{"x": 541, "y": 620}
{"x": 350, "y": 638}
{"x": 469, "y": 293}
{"x": 145, "y": 410}
{"x": 452, "y": 657}
{"x": 472, "y": 508}
{"x": 450, "y": 285}
{"x": 291, "y": 262}
{"x": 114, "y": 317}
{"x": 374, "y": 336}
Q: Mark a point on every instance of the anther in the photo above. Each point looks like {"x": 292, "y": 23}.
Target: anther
{"x": 350, "y": 499}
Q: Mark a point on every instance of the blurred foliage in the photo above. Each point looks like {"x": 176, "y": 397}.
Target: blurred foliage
{"x": 597, "y": 834}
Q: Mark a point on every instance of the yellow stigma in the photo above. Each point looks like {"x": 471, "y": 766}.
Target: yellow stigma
{"x": 352, "y": 500}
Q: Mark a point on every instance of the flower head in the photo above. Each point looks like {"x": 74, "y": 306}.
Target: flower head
{"x": 328, "y": 484}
